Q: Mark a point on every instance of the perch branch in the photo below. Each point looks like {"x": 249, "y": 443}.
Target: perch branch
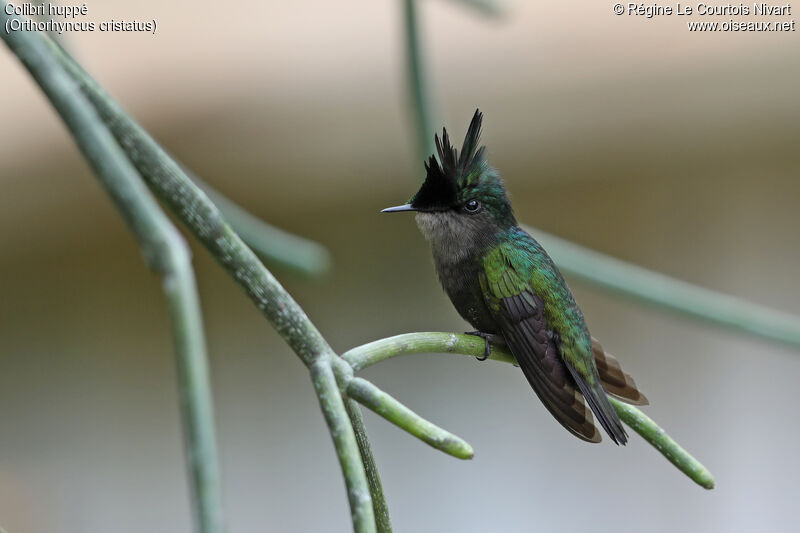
{"x": 165, "y": 252}
{"x": 428, "y": 342}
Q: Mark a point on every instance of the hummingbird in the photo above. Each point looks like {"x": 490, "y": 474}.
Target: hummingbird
{"x": 507, "y": 287}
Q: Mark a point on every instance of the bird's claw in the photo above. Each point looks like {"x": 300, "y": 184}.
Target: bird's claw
{"x": 487, "y": 351}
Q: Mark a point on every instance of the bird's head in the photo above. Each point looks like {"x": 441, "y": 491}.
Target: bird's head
{"x": 461, "y": 191}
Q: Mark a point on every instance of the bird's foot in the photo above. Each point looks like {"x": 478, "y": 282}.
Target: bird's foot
{"x": 485, "y": 336}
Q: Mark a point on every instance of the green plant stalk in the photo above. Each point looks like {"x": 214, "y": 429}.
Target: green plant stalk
{"x": 665, "y": 292}
{"x": 398, "y": 414}
{"x": 489, "y": 8}
{"x": 191, "y": 206}
{"x": 423, "y": 342}
{"x": 433, "y": 342}
{"x": 383, "y": 404}
{"x": 274, "y": 245}
{"x": 165, "y": 177}
{"x": 165, "y": 252}
{"x": 383, "y": 521}
{"x": 347, "y": 449}
{"x": 652, "y": 433}
{"x": 418, "y": 80}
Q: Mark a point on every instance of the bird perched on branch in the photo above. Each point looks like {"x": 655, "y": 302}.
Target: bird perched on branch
{"x": 506, "y": 286}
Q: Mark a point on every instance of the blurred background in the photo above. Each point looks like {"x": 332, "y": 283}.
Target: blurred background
{"x": 677, "y": 151}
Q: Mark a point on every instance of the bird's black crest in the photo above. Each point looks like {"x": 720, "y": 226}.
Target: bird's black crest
{"x": 452, "y": 171}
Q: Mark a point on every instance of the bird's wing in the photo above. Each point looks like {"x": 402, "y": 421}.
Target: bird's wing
{"x": 616, "y": 381}
{"x": 519, "y": 313}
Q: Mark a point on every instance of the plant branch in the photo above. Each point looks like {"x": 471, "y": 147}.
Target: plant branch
{"x": 380, "y": 508}
{"x": 165, "y": 252}
{"x": 423, "y": 342}
{"x": 274, "y": 245}
{"x": 398, "y": 414}
{"x": 165, "y": 177}
{"x": 652, "y": 433}
{"x": 333, "y": 408}
{"x": 420, "y": 94}
{"x": 203, "y": 218}
{"x": 431, "y": 342}
{"x": 490, "y": 8}
{"x": 193, "y": 207}
{"x": 665, "y": 292}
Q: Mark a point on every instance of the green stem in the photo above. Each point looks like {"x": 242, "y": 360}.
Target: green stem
{"x": 297, "y": 254}
{"x": 165, "y": 252}
{"x": 423, "y": 342}
{"x": 274, "y": 245}
{"x": 485, "y": 7}
{"x": 620, "y": 277}
{"x": 427, "y": 342}
{"x": 383, "y": 522}
{"x": 652, "y": 433}
{"x": 398, "y": 414}
{"x": 344, "y": 438}
{"x": 386, "y": 406}
{"x": 418, "y": 81}
{"x": 192, "y": 207}
{"x": 165, "y": 177}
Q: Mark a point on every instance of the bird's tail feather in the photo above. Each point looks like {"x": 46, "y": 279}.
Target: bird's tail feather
{"x": 598, "y": 402}
{"x": 616, "y": 381}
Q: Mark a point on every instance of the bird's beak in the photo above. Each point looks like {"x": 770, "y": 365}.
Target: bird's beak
{"x": 397, "y": 209}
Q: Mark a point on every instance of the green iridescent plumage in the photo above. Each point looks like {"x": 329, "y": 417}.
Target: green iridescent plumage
{"x": 504, "y": 284}
{"x": 519, "y": 266}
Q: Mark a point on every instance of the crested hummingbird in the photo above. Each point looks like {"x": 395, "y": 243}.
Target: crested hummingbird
{"x": 505, "y": 285}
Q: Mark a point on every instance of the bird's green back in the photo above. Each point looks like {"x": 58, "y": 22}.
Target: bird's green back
{"x": 518, "y": 264}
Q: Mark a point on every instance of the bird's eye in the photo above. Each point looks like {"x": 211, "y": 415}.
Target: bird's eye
{"x": 472, "y": 206}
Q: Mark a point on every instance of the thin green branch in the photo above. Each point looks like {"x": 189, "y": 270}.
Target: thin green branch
{"x": 333, "y": 408}
{"x": 274, "y": 245}
{"x": 192, "y": 206}
{"x": 418, "y": 80}
{"x": 432, "y": 342}
{"x": 652, "y": 433}
{"x": 423, "y": 342}
{"x": 380, "y": 508}
{"x": 165, "y": 252}
{"x": 194, "y": 384}
{"x": 344, "y": 374}
{"x": 398, "y": 414}
{"x": 665, "y": 292}
{"x": 297, "y": 254}
{"x": 165, "y": 177}
{"x": 485, "y": 7}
